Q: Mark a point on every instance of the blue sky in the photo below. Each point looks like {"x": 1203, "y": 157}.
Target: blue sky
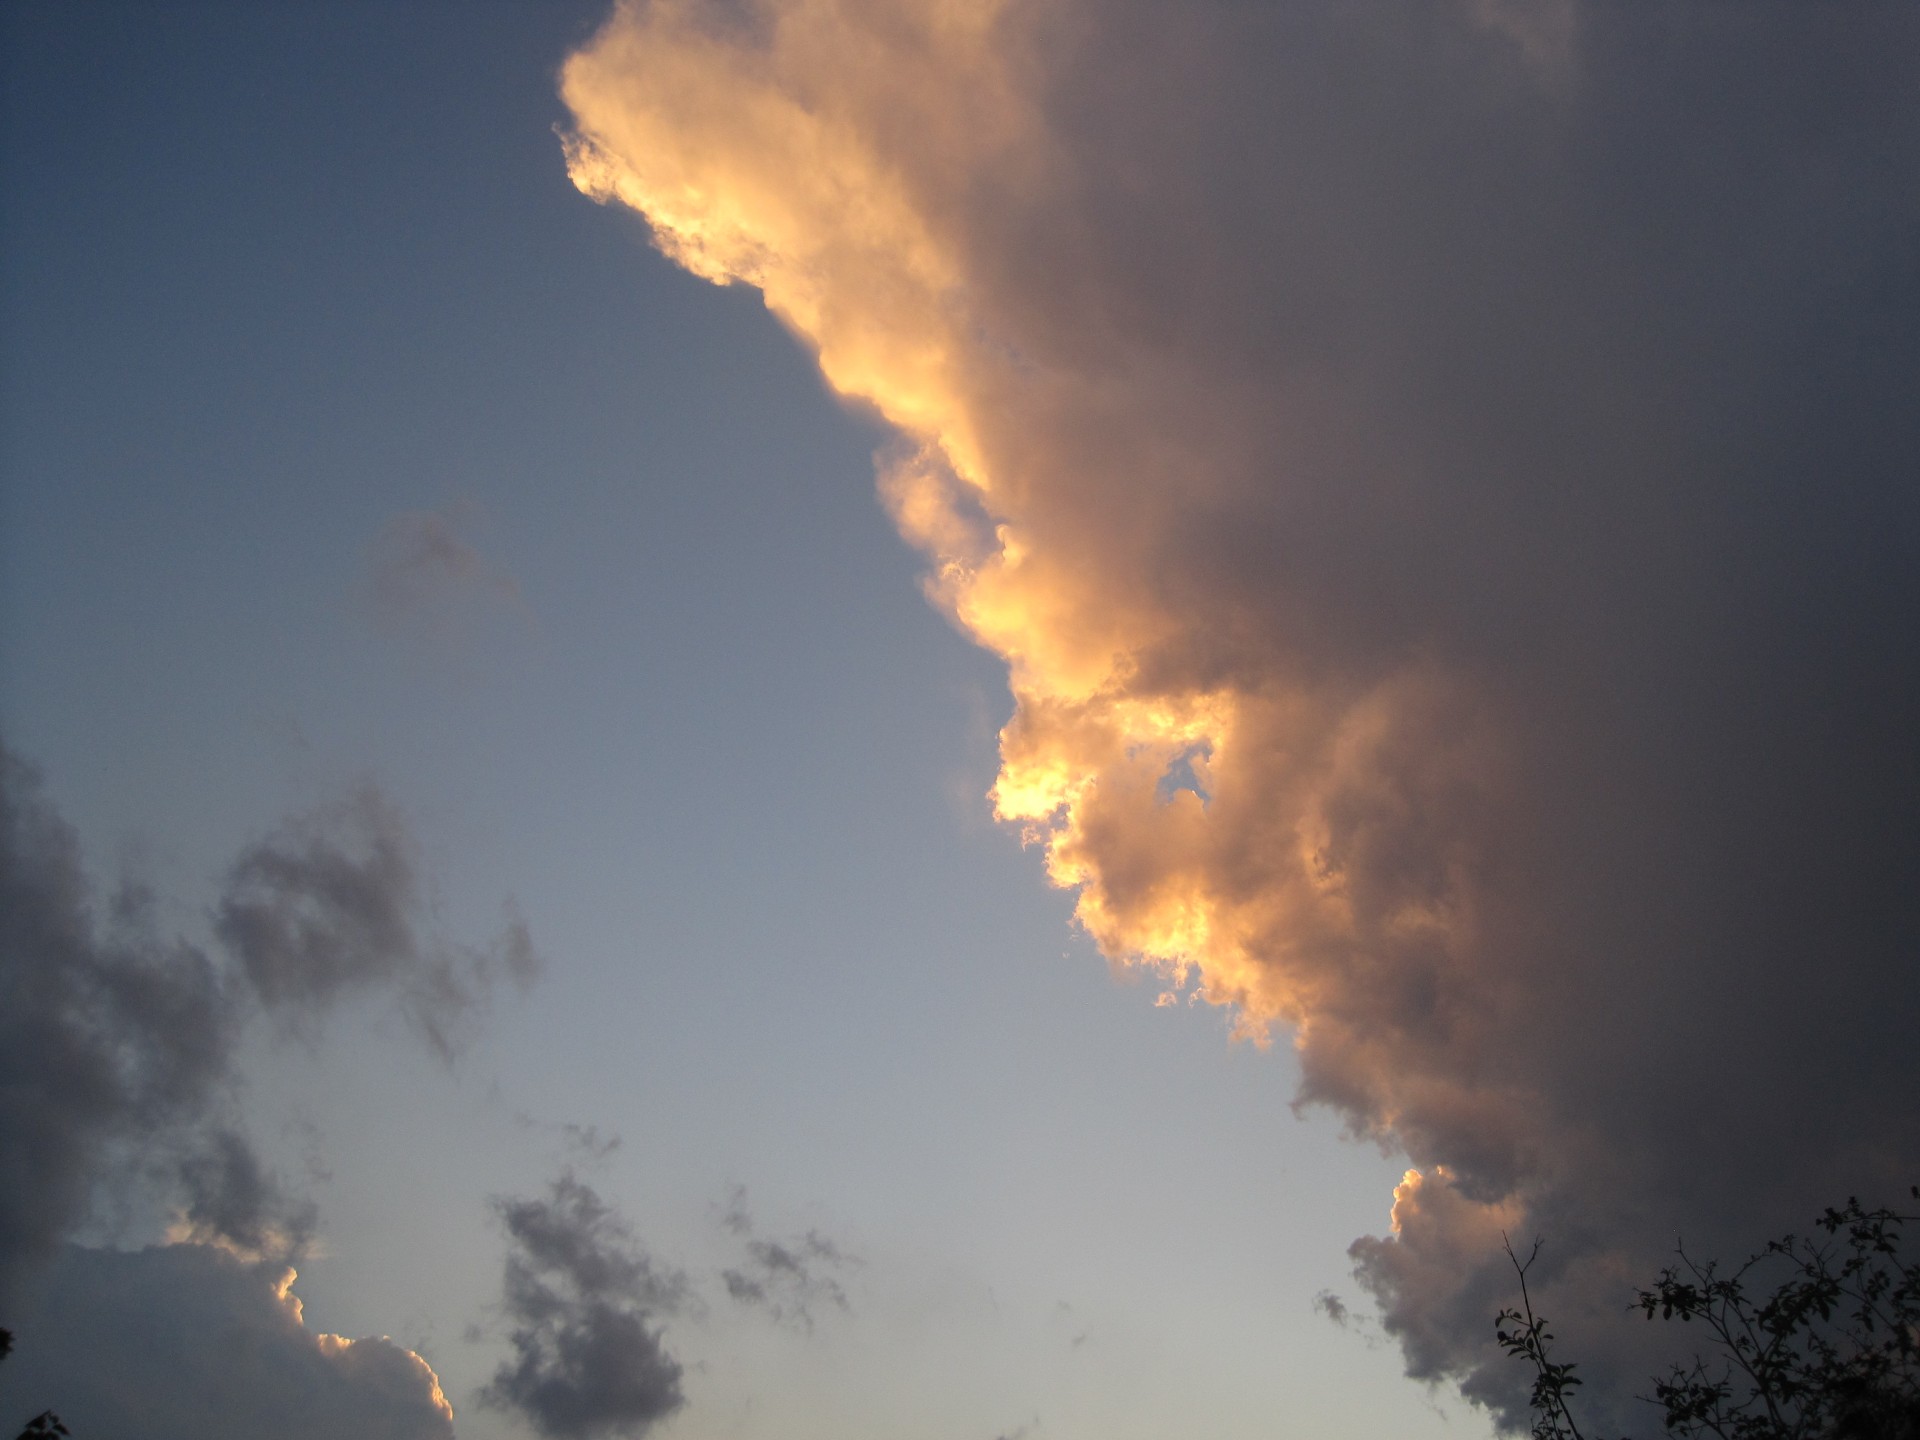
{"x": 275, "y": 277}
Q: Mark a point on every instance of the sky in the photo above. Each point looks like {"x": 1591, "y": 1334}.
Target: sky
{"x": 945, "y": 720}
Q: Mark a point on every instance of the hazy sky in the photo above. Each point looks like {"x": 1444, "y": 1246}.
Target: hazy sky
{"x": 1409, "y": 513}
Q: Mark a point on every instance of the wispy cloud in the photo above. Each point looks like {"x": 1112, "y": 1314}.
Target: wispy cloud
{"x": 1329, "y": 1304}
{"x": 426, "y": 580}
{"x": 330, "y": 905}
{"x": 787, "y": 1279}
{"x": 118, "y": 1062}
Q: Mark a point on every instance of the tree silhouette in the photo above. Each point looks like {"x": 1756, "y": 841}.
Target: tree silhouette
{"x": 1830, "y": 1352}
{"x": 46, "y": 1423}
{"x": 1525, "y": 1336}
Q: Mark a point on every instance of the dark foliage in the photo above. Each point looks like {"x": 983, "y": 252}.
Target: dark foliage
{"x": 1814, "y": 1338}
{"x": 46, "y": 1423}
{"x": 1525, "y": 1336}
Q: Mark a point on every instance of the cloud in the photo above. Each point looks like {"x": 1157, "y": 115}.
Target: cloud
{"x": 1329, "y": 1304}
{"x": 231, "y": 1200}
{"x": 787, "y": 1279}
{"x": 585, "y": 1303}
{"x": 1341, "y": 1313}
{"x": 587, "y": 1142}
{"x": 425, "y": 578}
{"x": 182, "y": 1341}
{"x": 582, "y": 1145}
{"x": 107, "y": 1040}
{"x": 1442, "y": 486}
{"x": 118, "y": 1059}
{"x": 330, "y": 905}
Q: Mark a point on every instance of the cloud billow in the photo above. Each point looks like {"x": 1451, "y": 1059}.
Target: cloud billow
{"x": 1442, "y": 484}
{"x": 585, "y": 1303}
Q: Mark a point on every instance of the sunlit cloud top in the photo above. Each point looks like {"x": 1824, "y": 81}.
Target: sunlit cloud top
{"x": 1436, "y": 480}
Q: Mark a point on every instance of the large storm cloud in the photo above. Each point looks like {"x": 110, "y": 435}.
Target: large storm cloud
{"x": 1442, "y": 478}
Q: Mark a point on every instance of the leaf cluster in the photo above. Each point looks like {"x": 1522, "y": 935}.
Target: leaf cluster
{"x": 44, "y": 1426}
{"x": 1524, "y": 1336}
{"x": 1816, "y": 1337}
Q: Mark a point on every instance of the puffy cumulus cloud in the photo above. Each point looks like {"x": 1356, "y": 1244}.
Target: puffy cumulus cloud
{"x": 585, "y": 1302}
{"x": 331, "y": 904}
{"x": 1441, "y": 480}
{"x": 192, "y": 1341}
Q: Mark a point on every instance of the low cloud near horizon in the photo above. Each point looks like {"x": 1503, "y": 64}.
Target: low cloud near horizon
{"x": 1442, "y": 484}
{"x": 118, "y": 1077}
{"x": 191, "y": 1342}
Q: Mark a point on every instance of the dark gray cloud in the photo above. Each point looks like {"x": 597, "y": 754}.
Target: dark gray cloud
{"x": 229, "y": 1197}
{"x": 787, "y": 1279}
{"x": 118, "y": 1046}
{"x": 324, "y": 906}
{"x": 331, "y": 905}
{"x": 109, "y": 1036}
{"x": 1475, "y": 446}
{"x": 190, "y": 1342}
{"x": 1333, "y": 1307}
{"x": 585, "y": 1303}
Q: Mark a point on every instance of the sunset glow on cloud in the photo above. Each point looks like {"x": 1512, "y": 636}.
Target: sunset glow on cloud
{"x": 1312, "y": 415}
{"x": 763, "y": 161}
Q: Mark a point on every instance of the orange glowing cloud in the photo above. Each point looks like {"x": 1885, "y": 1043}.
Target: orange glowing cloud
{"x": 1375, "y": 446}
{"x": 760, "y": 158}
